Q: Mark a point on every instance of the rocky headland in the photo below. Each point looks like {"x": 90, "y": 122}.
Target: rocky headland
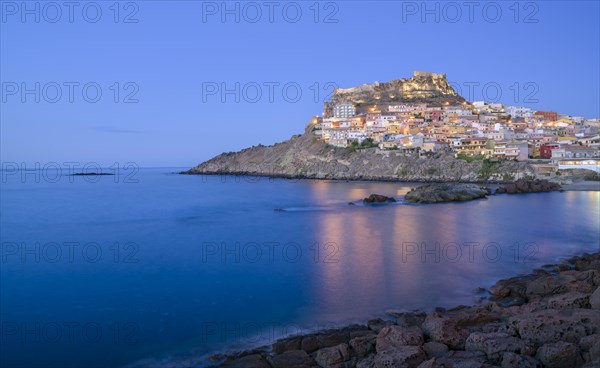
{"x": 307, "y": 156}
{"x": 550, "y": 318}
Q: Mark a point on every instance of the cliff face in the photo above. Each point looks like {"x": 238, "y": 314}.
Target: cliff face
{"x": 422, "y": 87}
{"x": 306, "y": 156}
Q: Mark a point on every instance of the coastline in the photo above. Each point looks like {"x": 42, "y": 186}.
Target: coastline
{"x": 583, "y": 186}
{"x": 548, "y": 318}
{"x": 576, "y": 186}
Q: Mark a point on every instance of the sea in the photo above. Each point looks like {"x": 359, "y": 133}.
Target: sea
{"x": 150, "y": 268}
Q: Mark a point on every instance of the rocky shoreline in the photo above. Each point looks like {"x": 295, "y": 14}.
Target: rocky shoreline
{"x": 550, "y": 318}
{"x": 306, "y": 156}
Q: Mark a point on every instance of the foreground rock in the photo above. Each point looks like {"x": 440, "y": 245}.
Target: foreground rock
{"x": 446, "y": 192}
{"x": 548, "y": 319}
{"x": 378, "y": 198}
{"x": 528, "y": 186}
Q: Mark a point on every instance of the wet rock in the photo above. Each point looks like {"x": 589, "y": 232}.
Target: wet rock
{"x": 553, "y": 325}
{"x": 444, "y": 330}
{"x": 333, "y": 356}
{"x": 510, "y": 292}
{"x": 587, "y": 342}
{"x": 392, "y": 337}
{"x": 402, "y": 356}
{"x": 377, "y": 324}
{"x": 292, "y": 359}
{"x": 580, "y": 281}
{"x": 492, "y": 344}
{"x": 594, "y": 353}
{"x": 363, "y": 345}
{"x": 458, "y": 359}
{"x": 435, "y": 349}
{"x": 283, "y": 345}
{"x": 586, "y": 262}
{"x": 378, "y": 198}
{"x": 368, "y": 362}
{"x": 467, "y": 317}
{"x": 528, "y": 186}
{"x": 569, "y": 300}
{"x": 427, "y": 364}
{"x": 543, "y": 286}
{"x": 408, "y": 319}
{"x": 446, "y": 192}
{"x": 248, "y": 361}
{"x": 595, "y": 299}
{"x": 559, "y": 355}
{"x": 310, "y": 344}
{"x": 510, "y": 360}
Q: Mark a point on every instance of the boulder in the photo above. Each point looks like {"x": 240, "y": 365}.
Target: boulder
{"x": 542, "y": 286}
{"x": 552, "y": 325}
{"x": 283, "y": 345}
{"x": 572, "y": 299}
{"x": 444, "y": 330}
{"x": 292, "y": 359}
{"x": 407, "y": 319}
{"x": 435, "y": 349}
{"x": 402, "y": 356}
{"x": 559, "y": 355}
{"x": 446, "y": 192}
{"x": 391, "y": 337}
{"x": 586, "y": 343}
{"x": 368, "y": 362}
{"x": 595, "y": 299}
{"x": 363, "y": 345}
{"x": 457, "y": 359}
{"x": 248, "y": 361}
{"x": 333, "y": 356}
{"x": 493, "y": 344}
{"x": 378, "y": 323}
{"x": 378, "y": 198}
{"x": 510, "y": 360}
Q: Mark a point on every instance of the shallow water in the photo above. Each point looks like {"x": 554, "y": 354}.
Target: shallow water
{"x": 106, "y": 273}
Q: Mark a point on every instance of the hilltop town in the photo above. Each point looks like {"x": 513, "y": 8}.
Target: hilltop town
{"x": 420, "y": 129}
{"x": 423, "y": 116}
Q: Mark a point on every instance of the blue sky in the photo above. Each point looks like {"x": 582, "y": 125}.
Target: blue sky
{"x": 171, "y": 61}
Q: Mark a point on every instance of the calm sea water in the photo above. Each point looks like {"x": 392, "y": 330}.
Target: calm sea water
{"x": 106, "y": 274}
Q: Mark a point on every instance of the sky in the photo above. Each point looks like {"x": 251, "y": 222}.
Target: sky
{"x": 174, "y": 83}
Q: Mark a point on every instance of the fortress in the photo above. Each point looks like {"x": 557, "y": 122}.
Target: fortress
{"x": 417, "y": 74}
{"x": 423, "y": 87}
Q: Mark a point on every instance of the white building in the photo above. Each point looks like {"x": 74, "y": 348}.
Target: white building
{"x": 519, "y": 111}
{"x": 344, "y": 110}
{"x": 576, "y": 157}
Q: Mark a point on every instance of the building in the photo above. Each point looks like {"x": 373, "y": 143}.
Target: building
{"x": 547, "y": 115}
{"x": 576, "y": 157}
{"x": 518, "y": 111}
{"x": 344, "y": 110}
{"x": 546, "y": 150}
{"x": 471, "y": 147}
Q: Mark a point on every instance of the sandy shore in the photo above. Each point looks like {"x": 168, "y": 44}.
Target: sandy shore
{"x": 550, "y": 318}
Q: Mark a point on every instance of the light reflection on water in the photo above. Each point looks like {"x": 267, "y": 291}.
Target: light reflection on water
{"x": 355, "y": 262}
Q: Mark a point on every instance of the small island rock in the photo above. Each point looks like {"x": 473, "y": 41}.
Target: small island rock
{"x": 446, "y": 192}
{"x": 378, "y": 198}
